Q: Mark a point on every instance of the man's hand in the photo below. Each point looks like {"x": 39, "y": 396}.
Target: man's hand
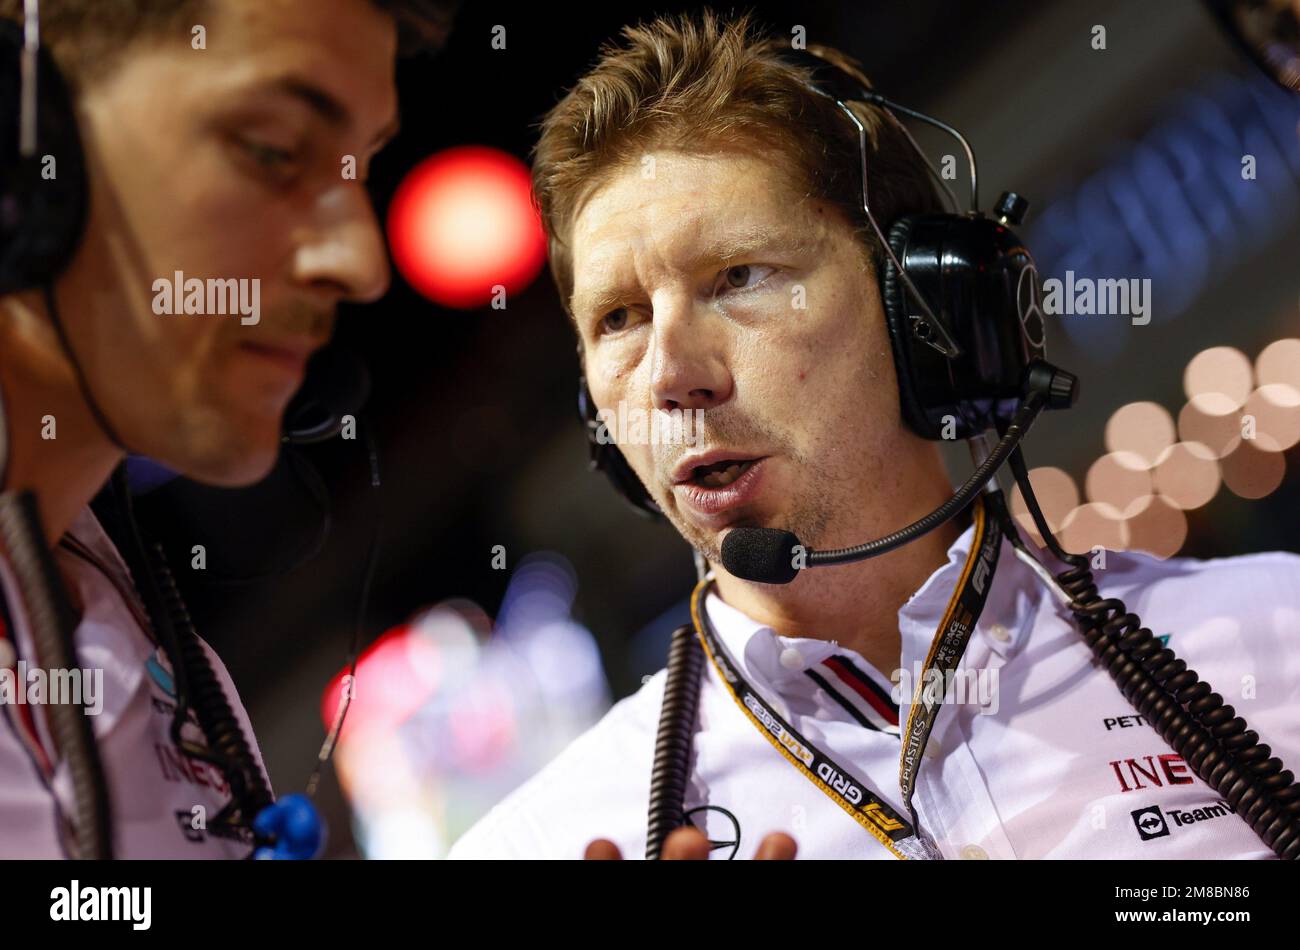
{"x": 690, "y": 844}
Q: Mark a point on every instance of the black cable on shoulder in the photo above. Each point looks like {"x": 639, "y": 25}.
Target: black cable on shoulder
{"x": 671, "y": 770}
{"x": 197, "y": 686}
{"x": 228, "y": 748}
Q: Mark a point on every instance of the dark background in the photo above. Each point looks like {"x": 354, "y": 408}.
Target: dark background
{"x": 473, "y": 411}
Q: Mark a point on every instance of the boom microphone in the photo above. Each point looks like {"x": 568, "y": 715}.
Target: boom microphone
{"x": 765, "y": 555}
{"x": 337, "y": 384}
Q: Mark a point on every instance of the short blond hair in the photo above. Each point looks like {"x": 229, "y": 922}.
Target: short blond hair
{"x": 701, "y": 83}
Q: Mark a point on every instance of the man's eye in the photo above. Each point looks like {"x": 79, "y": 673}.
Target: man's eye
{"x": 742, "y": 277}
{"x": 737, "y": 276}
{"x": 270, "y": 157}
{"x": 615, "y": 320}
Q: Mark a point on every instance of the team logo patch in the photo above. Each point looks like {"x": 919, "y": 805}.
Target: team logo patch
{"x": 1150, "y": 823}
{"x": 1153, "y": 822}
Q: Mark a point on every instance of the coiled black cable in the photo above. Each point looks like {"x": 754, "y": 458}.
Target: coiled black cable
{"x": 227, "y": 747}
{"x": 197, "y": 686}
{"x": 1185, "y": 711}
{"x": 671, "y": 769}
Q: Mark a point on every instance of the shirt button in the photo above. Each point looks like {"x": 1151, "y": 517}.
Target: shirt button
{"x": 791, "y": 659}
{"x": 999, "y": 633}
{"x": 933, "y": 748}
{"x": 973, "y": 852}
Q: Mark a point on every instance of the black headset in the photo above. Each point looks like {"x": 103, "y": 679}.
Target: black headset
{"x": 960, "y": 360}
{"x": 42, "y": 205}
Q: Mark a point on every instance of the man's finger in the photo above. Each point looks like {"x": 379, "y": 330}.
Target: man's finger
{"x": 686, "y": 844}
{"x": 778, "y": 846}
{"x": 602, "y": 849}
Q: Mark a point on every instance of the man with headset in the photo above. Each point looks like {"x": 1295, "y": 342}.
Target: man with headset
{"x": 710, "y": 238}
{"x": 221, "y": 142}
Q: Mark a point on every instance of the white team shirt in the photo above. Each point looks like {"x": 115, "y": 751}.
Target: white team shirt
{"x": 1058, "y": 766}
{"x": 154, "y": 790}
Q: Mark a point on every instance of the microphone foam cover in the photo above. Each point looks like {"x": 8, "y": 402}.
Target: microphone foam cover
{"x": 765, "y": 555}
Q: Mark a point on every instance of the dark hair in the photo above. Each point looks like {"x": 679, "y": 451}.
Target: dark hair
{"x": 702, "y": 82}
{"x": 88, "y": 36}
{"x": 422, "y": 25}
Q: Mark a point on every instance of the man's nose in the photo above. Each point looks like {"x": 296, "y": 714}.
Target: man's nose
{"x": 343, "y": 252}
{"x": 690, "y": 368}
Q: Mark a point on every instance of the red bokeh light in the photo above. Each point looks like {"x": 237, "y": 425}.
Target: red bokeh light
{"x": 462, "y": 222}
{"x": 395, "y": 676}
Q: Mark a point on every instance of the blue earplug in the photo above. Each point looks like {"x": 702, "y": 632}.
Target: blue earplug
{"x": 296, "y": 826}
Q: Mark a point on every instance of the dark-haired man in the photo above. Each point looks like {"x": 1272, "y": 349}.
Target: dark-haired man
{"x": 225, "y": 141}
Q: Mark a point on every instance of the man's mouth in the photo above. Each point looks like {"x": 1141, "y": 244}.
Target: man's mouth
{"x": 291, "y": 358}
{"x": 720, "y": 474}
{"x": 718, "y": 482}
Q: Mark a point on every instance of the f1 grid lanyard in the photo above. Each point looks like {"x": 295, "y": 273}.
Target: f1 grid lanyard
{"x": 901, "y": 837}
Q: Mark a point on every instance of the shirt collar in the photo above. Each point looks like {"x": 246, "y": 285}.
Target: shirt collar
{"x": 86, "y": 531}
{"x": 778, "y": 662}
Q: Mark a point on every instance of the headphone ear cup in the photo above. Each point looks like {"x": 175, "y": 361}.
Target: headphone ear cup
{"x": 893, "y": 297}
{"x": 42, "y": 198}
{"x": 606, "y": 457}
